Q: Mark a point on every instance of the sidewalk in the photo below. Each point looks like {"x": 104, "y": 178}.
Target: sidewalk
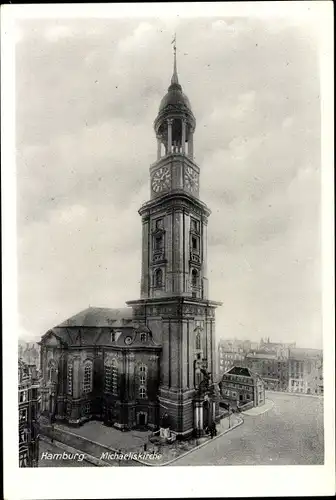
{"x": 110, "y": 436}
{"x": 259, "y": 410}
{"x": 319, "y": 396}
{"x": 169, "y": 453}
{"x": 103, "y": 439}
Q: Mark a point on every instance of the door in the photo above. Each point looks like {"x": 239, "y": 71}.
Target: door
{"x": 142, "y": 418}
{"x": 206, "y": 415}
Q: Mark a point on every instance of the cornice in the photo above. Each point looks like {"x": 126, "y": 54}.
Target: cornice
{"x": 177, "y": 198}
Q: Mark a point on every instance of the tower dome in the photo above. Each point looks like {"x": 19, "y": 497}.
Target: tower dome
{"x": 175, "y": 123}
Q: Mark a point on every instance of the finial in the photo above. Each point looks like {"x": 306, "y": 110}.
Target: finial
{"x": 174, "y": 80}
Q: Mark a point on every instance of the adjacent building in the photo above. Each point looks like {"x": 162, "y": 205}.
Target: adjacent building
{"x": 240, "y": 386}
{"x": 282, "y": 366}
{"x": 134, "y": 366}
{"x": 272, "y": 366}
{"x": 306, "y": 371}
{"x": 29, "y": 352}
{"x": 28, "y": 402}
{"x": 231, "y": 353}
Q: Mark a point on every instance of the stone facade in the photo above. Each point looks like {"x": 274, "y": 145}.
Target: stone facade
{"x": 240, "y": 386}
{"x": 172, "y": 372}
{"x": 28, "y": 396}
{"x": 100, "y": 372}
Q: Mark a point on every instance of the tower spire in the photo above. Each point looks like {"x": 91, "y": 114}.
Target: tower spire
{"x": 174, "y": 79}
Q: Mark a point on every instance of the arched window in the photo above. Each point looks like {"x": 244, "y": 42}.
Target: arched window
{"x": 52, "y": 372}
{"x": 143, "y": 381}
{"x": 87, "y": 381}
{"x": 194, "y": 277}
{"x": 70, "y": 378}
{"x": 158, "y": 242}
{"x": 111, "y": 377}
{"x": 198, "y": 339}
{"x": 114, "y": 378}
{"x": 158, "y": 278}
{"x": 142, "y": 393}
{"x": 143, "y": 337}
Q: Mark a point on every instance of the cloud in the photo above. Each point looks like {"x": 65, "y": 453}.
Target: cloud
{"x": 139, "y": 40}
{"x": 55, "y": 33}
{"x": 87, "y": 96}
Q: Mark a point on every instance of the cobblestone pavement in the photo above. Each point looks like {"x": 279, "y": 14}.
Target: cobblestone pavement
{"x": 290, "y": 433}
{"x": 45, "y": 447}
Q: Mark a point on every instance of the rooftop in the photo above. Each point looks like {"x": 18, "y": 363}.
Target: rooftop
{"x": 95, "y": 326}
{"x": 99, "y": 316}
{"x": 301, "y": 353}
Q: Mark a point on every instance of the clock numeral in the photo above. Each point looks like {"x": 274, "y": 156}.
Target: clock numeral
{"x": 161, "y": 180}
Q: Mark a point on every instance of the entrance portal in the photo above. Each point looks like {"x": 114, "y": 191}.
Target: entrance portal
{"x": 142, "y": 418}
{"x": 206, "y": 414}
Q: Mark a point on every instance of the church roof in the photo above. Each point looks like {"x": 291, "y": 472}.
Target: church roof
{"x": 99, "y": 316}
{"x": 94, "y": 326}
{"x": 175, "y": 97}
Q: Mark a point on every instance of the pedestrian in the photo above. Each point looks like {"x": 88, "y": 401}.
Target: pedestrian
{"x": 213, "y": 428}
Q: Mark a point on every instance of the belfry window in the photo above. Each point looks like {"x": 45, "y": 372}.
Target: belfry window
{"x": 87, "y": 381}
{"x": 158, "y": 278}
{"x": 195, "y": 245}
{"x": 159, "y": 223}
{"x": 158, "y": 242}
{"x": 194, "y": 278}
{"x": 194, "y": 225}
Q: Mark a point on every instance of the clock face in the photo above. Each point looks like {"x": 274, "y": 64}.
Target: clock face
{"x": 128, "y": 340}
{"x": 161, "y": 179}
{"x": 190, "y": 179}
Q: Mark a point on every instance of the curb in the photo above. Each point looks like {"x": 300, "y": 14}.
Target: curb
{"x": 261, "y": 413}
{"x": 318, "y": 396}
{"x": 240, "y": 422}
{"x": 103, "y": 463}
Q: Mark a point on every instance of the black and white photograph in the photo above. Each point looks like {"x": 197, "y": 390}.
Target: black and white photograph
{"x": 166, "y": 304}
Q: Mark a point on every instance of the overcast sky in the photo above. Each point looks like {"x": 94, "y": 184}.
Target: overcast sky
{"x": 88, "y": 92}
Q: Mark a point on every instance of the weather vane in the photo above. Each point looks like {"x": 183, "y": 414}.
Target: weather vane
{"x": 174, "y": 44}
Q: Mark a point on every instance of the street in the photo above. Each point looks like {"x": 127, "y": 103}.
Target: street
{"x": 291, "y": 433}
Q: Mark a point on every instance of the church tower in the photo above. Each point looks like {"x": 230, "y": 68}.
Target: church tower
{"x": 174, "y": 301}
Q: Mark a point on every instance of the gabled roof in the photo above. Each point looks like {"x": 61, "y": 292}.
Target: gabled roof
{"x": 243, "y": 372}
{"x": 99, "y": 316}
{"x": 239, "y": 370}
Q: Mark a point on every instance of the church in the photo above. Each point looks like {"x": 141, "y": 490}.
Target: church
{"x": 153, "y": 361}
